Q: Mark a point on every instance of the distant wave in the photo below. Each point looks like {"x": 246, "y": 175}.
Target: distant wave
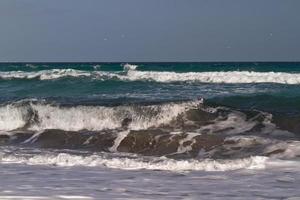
{"x": 130, "y": 67}
{"x": 55, "y": 74}
{"x": 131, "y": 74}
{"x": 215, "y": 77}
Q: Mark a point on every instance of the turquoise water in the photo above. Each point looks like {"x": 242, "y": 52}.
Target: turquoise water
{"x": 270, "y": 96}
{"x": 292, "y": 67}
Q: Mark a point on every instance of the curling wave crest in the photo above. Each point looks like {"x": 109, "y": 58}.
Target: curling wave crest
{"x": 39, "y": 116}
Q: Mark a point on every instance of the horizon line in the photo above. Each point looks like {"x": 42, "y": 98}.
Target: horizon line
{"x": 50, "y": 62}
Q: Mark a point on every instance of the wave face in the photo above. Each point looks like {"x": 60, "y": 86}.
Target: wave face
{"x": 160, "y": 116}
{"x": 179, "y": 130}
{"x": 38, "y": 116}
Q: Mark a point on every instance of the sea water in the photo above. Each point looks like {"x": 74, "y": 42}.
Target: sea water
{"x": 149, "y": 130}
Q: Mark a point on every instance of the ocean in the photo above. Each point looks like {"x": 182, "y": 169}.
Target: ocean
{"x": 150, "y": 130}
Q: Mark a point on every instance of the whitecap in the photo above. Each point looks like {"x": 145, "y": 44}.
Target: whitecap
{"x": 128, "y": 67}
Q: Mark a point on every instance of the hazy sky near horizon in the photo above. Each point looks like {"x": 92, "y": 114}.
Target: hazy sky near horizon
{"x": 149, "y": 30}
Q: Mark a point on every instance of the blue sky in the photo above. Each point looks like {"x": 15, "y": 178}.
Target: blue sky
{"x": 149, "y": 30}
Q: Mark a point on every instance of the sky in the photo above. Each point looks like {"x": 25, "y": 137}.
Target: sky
{"x": 149, "y": 30}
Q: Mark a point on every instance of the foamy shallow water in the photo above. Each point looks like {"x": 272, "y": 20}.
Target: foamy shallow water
{"x": 51, "y": 182}
{"x": 47, "y": 174}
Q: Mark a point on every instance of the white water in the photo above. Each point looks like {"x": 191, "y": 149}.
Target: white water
{"x": 68, "y": 160}
{"x": 12, "y": 117}
{"x": 134, "y": 75}
{"x": 55, "y": 74}
{"x": 235, "y": 123}
{"x": 216, "y": 77}
{"x": 53, "y": 175}
{"x": 186, "y": 148}
{"x": 15, "y": 116}
{"x": 121, "y": 136}
{"x": 130, "y": 67}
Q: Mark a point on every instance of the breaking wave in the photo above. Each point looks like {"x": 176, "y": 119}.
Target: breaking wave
{"x": 41, "y": 116}
{"x": 179, "y": 130}
{"x": 216, "y": 77}
{"x": 55, "y": 74}
{"x": 131, "y": 74}
{"x": 91, "y": 128}
{"x": 130, "y": 67}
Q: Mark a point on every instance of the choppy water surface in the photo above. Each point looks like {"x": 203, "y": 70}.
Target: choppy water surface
{"x": 150, "y": 130}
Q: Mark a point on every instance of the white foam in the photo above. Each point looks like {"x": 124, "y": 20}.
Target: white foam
{"x": 12, "y": 117}
{"x": 118, "y": 140}
{"x": 54, "y": 74}
{"x": 128, "y": 67}
{"x": 216, "y": 77}
{"x": 182, "y": 148}
{"x": 73, "y": 197}
{"x": 236, "y": 122}
{"x": 165, "y": 77}
{"x": 248, "y": 140}
{"x": 88, "y": 117}
{"x": 16, "y": 197}
{"x": 68, "y": 160}
{"x": 97, "y": 67}
{"x": 33, "y": 138}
